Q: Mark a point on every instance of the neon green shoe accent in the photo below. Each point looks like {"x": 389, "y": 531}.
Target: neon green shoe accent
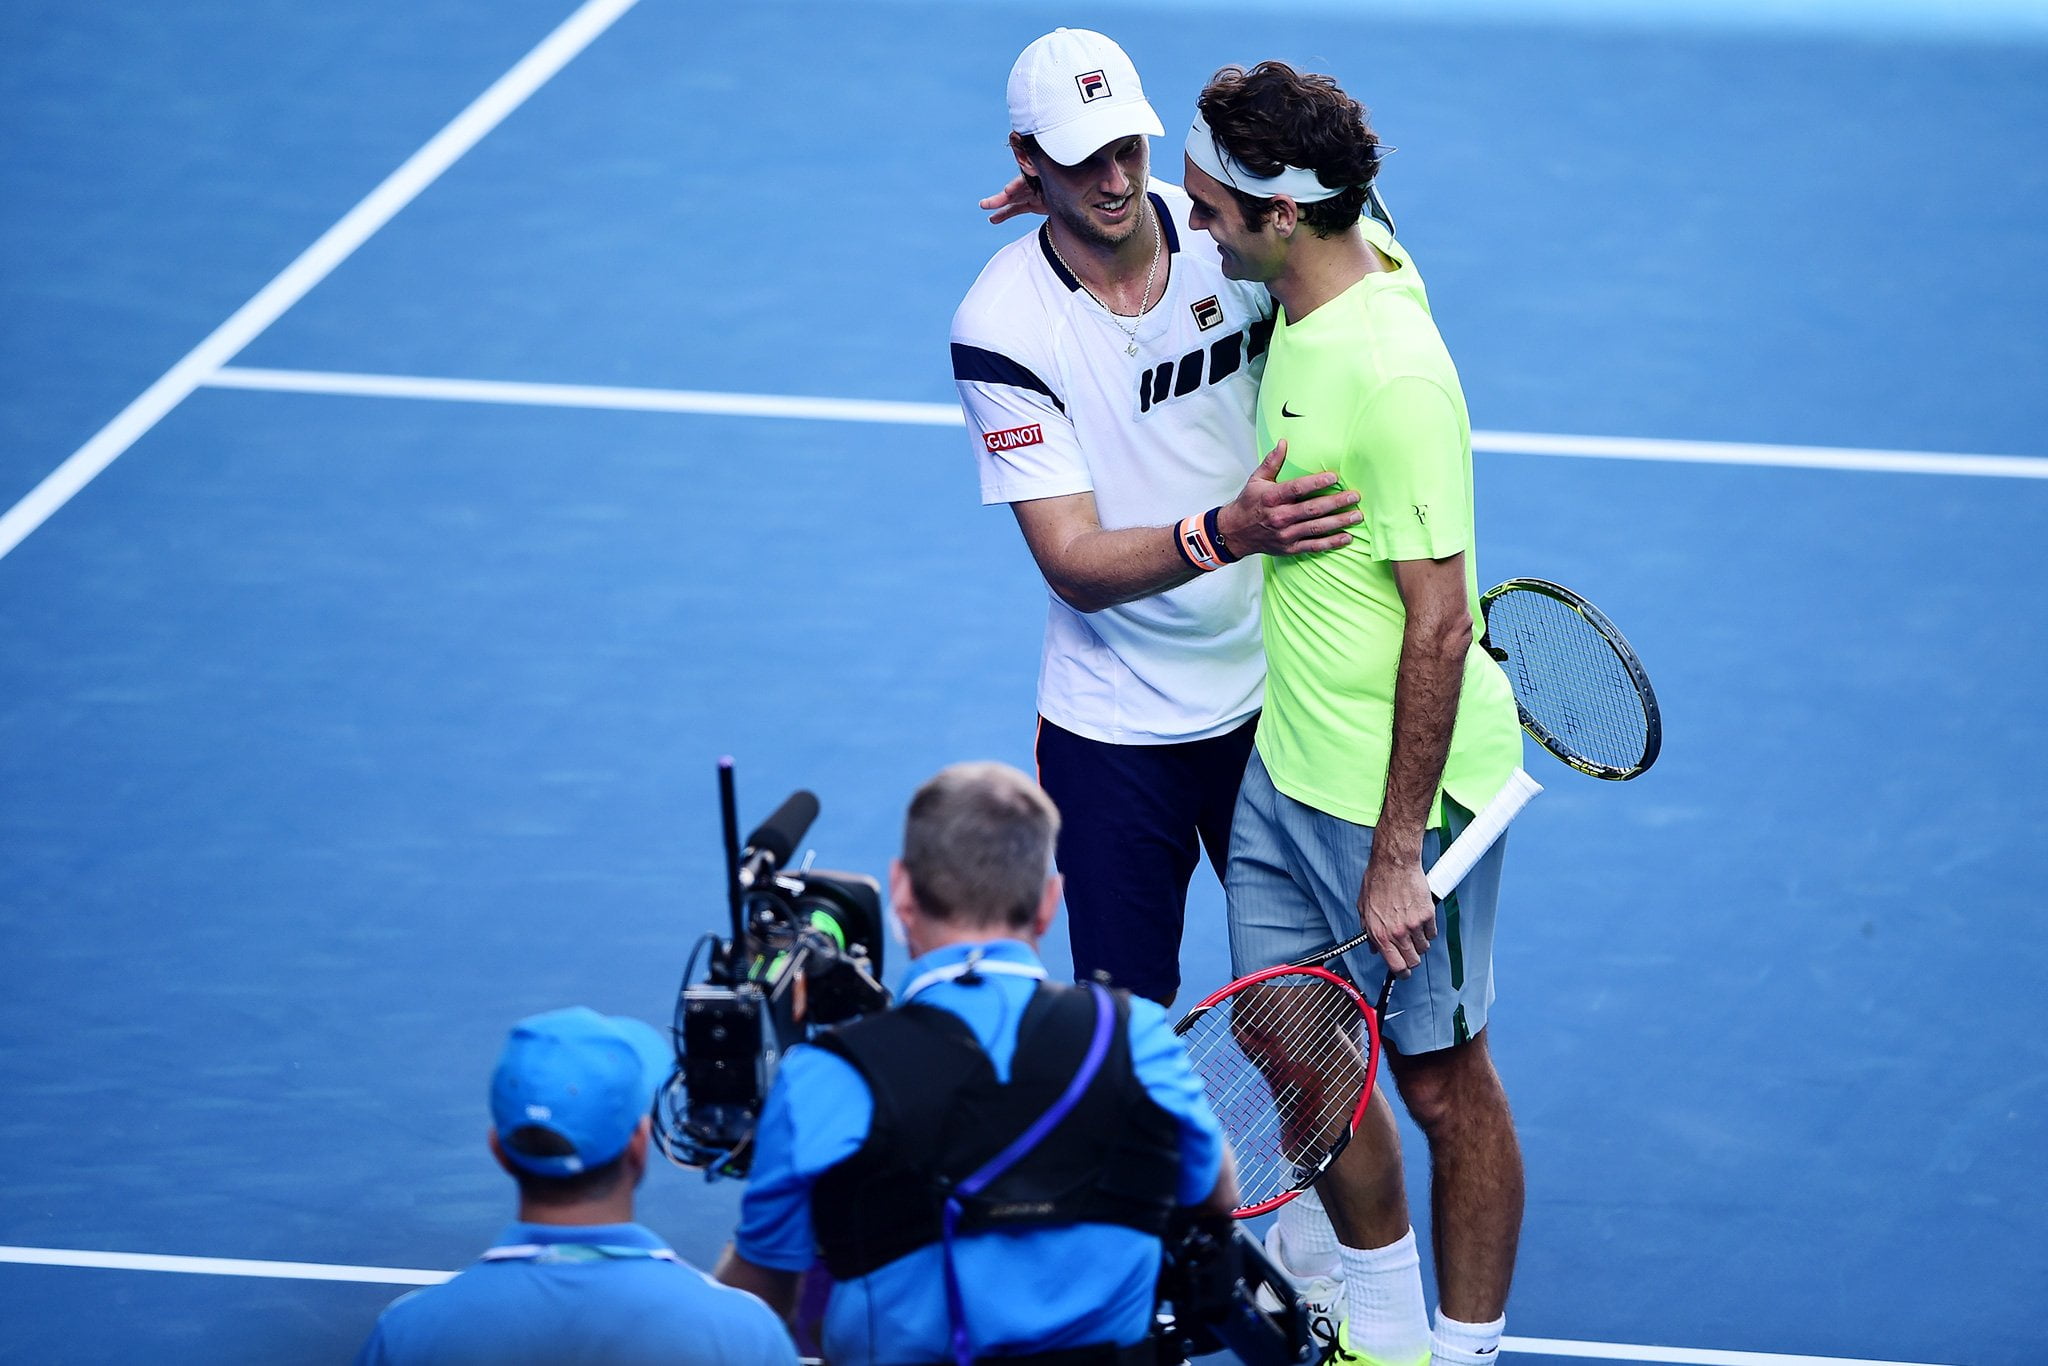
{"x": 1340, "y": 1353}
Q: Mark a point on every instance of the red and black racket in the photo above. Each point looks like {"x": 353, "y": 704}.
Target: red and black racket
{"x": 1288, "y": 1055}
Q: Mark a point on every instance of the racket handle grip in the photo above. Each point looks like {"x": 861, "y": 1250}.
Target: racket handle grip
{"x": 1478, "y": 837}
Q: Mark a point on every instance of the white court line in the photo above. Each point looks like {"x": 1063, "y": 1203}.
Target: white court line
{"x": 384, "y": 1275}
{"x": 1690, "y": 1356}
{"x": 948, "y": 415}
{"x": 588, "y": 396}
{"x": 1741, "y": 453}
{"x": 336, "y": 245}
{"x": 221, "y": 1266}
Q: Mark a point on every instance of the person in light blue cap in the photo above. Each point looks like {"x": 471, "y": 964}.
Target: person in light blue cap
{"x": 575, "y": 1278}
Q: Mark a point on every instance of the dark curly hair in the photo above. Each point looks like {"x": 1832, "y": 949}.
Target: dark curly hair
{"x": 1272, "y": 117}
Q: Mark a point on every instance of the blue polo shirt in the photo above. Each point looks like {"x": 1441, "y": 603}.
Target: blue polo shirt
{"x": 587, "y": 1293}
{"x": 1029, "y": 1290}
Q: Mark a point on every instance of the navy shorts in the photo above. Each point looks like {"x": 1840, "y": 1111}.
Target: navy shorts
{"x": 1134, "y": 820}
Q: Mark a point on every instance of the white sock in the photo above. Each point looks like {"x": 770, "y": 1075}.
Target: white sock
{"x": 1308, "y": 1245}
{"x": 1465, "y": 1344}
{"x": 1387, "y": 1321}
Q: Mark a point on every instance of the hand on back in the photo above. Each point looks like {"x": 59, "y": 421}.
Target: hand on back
{"x": 1292, "y": 518}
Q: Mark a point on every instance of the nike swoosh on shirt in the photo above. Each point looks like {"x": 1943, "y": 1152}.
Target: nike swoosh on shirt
{"x": 1285, "y": 413}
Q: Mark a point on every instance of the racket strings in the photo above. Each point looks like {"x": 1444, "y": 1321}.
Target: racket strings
{"x": 1284, "y": 1063}
{"x": 1568, "y": 679}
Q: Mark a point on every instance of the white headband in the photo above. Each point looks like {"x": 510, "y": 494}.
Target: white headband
{"x": 1301, "y": 186}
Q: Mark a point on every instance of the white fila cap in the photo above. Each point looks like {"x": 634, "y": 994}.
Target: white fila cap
{"x": 1076, "y": 92}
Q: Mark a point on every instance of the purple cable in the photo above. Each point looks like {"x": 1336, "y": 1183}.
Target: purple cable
{"x": 1098, "y": 1049}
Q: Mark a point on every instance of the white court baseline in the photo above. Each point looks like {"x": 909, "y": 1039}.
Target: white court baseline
{"x": 948, "y": 415}
{"x": 320, "y": 1271}
{"x": 203, "y": 370}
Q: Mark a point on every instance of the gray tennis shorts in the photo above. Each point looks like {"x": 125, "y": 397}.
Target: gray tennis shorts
{"x": 1292, "y": 885}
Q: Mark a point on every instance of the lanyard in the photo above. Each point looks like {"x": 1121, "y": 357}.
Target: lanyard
{"x": 553, "y": 1254}
{"x": 975, "y": 964}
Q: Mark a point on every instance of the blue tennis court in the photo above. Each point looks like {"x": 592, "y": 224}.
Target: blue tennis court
{"x": 434, "y": 434}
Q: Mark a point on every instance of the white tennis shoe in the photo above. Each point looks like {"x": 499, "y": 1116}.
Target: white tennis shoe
{"x": 1323, "y": 1296}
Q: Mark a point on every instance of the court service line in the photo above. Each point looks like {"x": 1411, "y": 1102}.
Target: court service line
{"x": 221, "y": 1266}
{"x": 587, "y": 396}
{"x": 387, "y": 1275}
{"x": 948, "y": 415}
{"x": 333, "y": 247}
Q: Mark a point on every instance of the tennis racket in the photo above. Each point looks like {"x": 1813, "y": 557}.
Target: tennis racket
{"x": 1288, "y": 1055}
{"x": 1581, "y": 691}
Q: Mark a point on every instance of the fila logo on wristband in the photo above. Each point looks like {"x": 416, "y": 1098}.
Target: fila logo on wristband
{"x": 1201, "y": 544}
{"x": 1010, "y": 438}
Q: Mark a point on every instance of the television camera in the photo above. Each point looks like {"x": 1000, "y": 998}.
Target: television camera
{"x": 805, "y": 953}
{"x": 1219, "y": 1291}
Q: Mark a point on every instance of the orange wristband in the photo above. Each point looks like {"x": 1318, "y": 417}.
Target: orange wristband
{"x": 1196, "y": 545}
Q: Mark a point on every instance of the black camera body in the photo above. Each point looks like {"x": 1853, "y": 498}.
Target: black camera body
{"x": 805, "y": 954}
{"x": 725, "y": 1063}
{"x": 1210, "y": 1301}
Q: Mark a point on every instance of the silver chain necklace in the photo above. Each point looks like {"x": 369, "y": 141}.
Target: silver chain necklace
{"x": 1144, "y": 299}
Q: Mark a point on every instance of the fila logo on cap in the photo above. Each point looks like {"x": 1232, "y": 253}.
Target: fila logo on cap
{"x": 1208, "y": 312}
{"x": 1094, "y": 86}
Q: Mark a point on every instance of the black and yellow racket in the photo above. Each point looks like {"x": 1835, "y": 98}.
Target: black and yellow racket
{"x": 1582, "y": 693}
{"x": 1288, "y": 1056}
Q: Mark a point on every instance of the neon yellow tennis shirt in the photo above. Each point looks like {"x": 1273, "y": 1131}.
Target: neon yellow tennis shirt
{"x": 1364, "y": 386}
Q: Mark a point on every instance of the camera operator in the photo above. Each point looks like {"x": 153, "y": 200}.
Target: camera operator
{"x": 575, "y": 1279}
{"x": 891, "y": 1146}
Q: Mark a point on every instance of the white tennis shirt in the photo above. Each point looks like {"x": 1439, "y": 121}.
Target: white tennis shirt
{"x": 1056, "y": 406}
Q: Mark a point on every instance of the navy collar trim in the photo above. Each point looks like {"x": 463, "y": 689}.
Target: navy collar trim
{"x": 1166, "y": 224}
{"x": 1052, "y": 259}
